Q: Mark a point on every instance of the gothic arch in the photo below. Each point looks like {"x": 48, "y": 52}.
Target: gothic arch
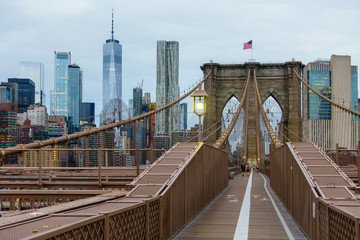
{"x": 276, "y": 97}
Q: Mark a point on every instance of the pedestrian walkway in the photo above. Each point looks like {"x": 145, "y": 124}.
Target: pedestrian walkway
{"x": 244, "y": 211}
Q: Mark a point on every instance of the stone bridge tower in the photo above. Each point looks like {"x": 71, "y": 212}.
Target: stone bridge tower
{"x": 275, "y": 79}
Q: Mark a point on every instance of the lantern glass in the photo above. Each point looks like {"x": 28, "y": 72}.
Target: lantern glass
{"x": 200, "y": 102}
{"x": 199, "y": 105}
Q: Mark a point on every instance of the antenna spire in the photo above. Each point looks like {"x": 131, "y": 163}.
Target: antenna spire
{"x": 112, "y": 25}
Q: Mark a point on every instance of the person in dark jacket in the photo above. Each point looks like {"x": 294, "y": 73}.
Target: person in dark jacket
{"x": 243, "y": 169}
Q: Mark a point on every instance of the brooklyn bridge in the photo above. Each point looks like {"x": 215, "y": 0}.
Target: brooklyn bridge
{"x": 194, "y": 190}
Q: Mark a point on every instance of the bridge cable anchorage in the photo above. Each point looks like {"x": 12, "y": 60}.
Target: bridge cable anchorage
{"x": 85, "y": 133}
{"x": 349, "y": 110}
{"x": 286, "y": 138}
{"x": 274, "y": 138}
{"x": 221, "y": 140}
{"x": 292, "y": 132}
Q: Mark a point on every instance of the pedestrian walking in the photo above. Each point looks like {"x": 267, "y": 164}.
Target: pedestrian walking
{"x": 248, "y": 169}
{"x": 243, "y": 169}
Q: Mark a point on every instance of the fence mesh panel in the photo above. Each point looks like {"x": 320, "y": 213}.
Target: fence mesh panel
{"x": 129, "y": 224}
{"x": 94, "y": 230}
{"x": 154, "y": 217}
{"x": 340, "y": 226}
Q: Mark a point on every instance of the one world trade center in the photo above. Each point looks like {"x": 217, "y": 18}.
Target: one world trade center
{"x": 112, "y": 79}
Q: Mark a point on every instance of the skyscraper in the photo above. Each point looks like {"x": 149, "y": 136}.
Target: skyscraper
{"x": 112, "y": 68}
{"x": 74, "y": 94}
{"x": 8, "y": 135}
{"x": 183, "y": 116}
{"x": 9, "y": 92}
{"x": 59, "y": 96}
{"x": 87, "y": 112}
{"x": 26, "y": 93}
{"x": 147, "y": 98}
{"x": 131, "y": 106}
{"x": 167, "y": 86}
{"x": 34, "y": 71}
{"x": 337, "y": 80}
{"x": 137, "y": 101}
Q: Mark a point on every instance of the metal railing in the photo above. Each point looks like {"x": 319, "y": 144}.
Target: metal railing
{"x": 157, "y": 207}
{"x": 323, "y": 209}
{"x": 102, "y": 167}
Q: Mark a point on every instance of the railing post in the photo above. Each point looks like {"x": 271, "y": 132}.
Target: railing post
{"x": 39, "y": 152}
{"x": 107, "y": 227}
{"x": 137, "y": 160}
{"x": 161, "y": 217}
{"x": 151, "y": 153}
{"x": 337, "y": 154}
{"x": 358, "y": 160}
{"x": 106, "y": 164}
{"x": 99, "y": 166}
{"x": 147, "y": 221}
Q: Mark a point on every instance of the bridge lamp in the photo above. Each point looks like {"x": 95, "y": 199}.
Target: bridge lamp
{"x": 200, "y": 105}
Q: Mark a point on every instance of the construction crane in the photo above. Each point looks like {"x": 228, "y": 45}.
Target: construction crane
{"x": 140, "y": 85}
{"x": 59, "y": 122}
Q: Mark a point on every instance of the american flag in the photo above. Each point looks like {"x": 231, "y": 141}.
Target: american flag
{"x": 248, "y": 45}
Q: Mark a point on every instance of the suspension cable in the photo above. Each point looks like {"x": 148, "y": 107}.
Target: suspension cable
{"x": 221, "y": 140}
{"x": 274, "y": 138}
{"x": 78, "y": 135}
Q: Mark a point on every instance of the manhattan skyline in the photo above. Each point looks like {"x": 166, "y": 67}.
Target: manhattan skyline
{"x": 206, "y": 30}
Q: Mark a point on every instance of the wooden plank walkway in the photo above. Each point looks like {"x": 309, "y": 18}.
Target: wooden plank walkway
{"x": 220, "y": 219}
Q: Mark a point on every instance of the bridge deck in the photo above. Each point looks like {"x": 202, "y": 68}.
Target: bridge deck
{"x": 226, "y": 217}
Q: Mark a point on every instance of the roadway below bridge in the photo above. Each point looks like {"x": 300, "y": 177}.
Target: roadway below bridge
{"x": 245, "y": 210}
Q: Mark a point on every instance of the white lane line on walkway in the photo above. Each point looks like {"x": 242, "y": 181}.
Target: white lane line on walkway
{"x": 242, "y": 226}
{"x": 287, "y": 230}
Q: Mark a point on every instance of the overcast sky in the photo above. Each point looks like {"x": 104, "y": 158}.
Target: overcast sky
{"x": 30, "y": 30}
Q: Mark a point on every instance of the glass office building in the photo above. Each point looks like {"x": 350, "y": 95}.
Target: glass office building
{"x": 59, "y": 96}
{"x": 74, "y": 94}
{"x": 323, "y": 123}
{"x": 35, "y": 72}
{"x": 87, "y": 112}
{"x": 321, "y": 82}
{"x": 26, "y": 93}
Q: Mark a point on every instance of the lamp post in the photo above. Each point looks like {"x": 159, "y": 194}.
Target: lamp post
{"x": 200, "y": 105}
